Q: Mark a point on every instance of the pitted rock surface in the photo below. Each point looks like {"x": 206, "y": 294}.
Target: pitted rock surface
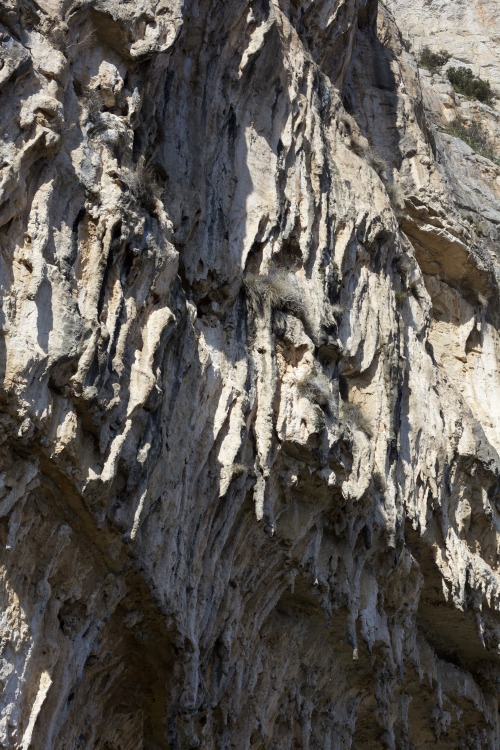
{"x": 249, "y": 383}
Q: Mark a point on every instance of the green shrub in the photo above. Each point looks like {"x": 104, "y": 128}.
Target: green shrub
{"x": 465, "y": 82}
{"x": 433, "y": 61}
{"x": 475, "y": 136}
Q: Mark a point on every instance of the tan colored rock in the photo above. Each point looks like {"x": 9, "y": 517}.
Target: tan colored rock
{"x": 249, "y": 384}
{"x": 468, "y": 31}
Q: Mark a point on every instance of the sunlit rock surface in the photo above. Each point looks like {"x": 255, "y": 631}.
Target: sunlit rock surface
{"x": 469, "y": 32}
{"x": 249, "y": 389}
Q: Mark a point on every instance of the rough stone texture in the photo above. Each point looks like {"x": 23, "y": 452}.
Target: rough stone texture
{"x": 249, "y": 390}
{"x": 469, "y": 31}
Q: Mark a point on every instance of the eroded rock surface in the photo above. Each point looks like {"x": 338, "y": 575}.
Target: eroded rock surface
{"x": 468, "y": 31}
{"x": 249, "y": 389}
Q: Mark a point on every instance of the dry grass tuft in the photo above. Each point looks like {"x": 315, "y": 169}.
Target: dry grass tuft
{"x": 279, "y": 288}
{"x": 351, "y": 413}
{"x": 316, "y": 387}
{"x": 144, "y": 184}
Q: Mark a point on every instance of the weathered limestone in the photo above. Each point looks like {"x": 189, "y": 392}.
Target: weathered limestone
{"x": 468, "y": 31}
{"x": 249, "y": 390}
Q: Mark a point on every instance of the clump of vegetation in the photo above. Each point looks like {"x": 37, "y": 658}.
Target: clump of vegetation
{"x": 279, "y": 287}
{"x": 28, "y": 14}
{"x": 279, "y": 324}
{"x": 144, "y": 184}
{"x": 316, "y": 387}
{"x": 465, "y": 82}
{"x": 400, "y": 297}
{"x": 433, "y": 61}
{"x": 336, "y": 308}
{"x": 363, "y": 149}
{"x": 278, "y": 291}
{"x": 481, "y": 227}
{"x": 360, "y": 146}
{"x": 406, "y": 44}
{"x": 379, "y": 482}
{"x": 475, "y": 136}
{"x": 376, "y": 161}
{"x": 347, "y": 121}
{"x": 93, "y": 102}
{"x": 352, "y": 413}
{"x": 239, "y": 469}
{"x": 397, "y": 197}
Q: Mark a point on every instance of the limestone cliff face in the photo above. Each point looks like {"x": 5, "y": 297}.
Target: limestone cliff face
{"x": 468, "y": 31}
{"x": 249, "y": 390}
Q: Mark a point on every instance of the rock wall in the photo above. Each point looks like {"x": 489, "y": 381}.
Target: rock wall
{"x": 249, "y": 390}
{"x": 468, "y": 31}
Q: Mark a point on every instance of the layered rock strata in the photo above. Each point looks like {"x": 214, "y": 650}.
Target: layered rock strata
{"x": 249, "y": 390}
